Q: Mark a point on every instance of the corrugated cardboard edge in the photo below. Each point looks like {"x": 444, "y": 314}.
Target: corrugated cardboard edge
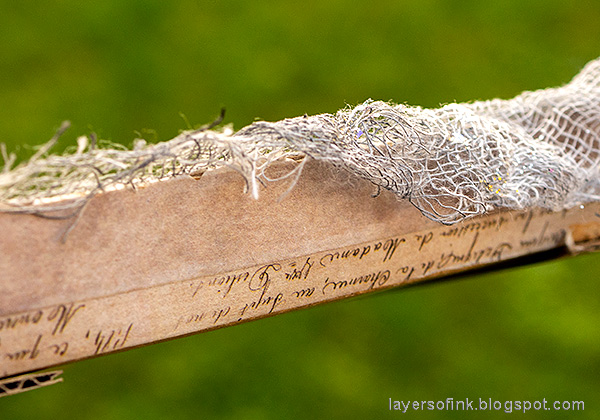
{"x": 28, "y": 382}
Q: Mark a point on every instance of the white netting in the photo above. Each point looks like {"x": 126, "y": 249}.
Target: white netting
{"x": 541, "y": 149}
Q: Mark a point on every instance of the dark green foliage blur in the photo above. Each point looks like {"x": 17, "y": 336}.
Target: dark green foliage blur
{"x": 129, "y": 68}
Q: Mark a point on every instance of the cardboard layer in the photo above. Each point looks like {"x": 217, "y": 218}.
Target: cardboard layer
{"x": 185, "y": 255}
{"x": 185, "y": 228}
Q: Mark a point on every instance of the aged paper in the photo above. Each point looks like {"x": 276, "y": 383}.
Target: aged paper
{"x": 184, "y": 256}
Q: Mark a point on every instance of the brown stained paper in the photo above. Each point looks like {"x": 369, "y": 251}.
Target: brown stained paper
{"x": 184, "y": 255}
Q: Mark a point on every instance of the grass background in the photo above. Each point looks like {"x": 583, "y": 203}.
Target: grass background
{"x": 127, "y": 68}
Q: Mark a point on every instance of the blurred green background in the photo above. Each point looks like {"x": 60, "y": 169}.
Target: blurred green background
{"x": 128, "y": 68}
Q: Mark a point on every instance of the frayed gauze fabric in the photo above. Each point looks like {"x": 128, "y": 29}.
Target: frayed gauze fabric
{"x": 539, "y": 149}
